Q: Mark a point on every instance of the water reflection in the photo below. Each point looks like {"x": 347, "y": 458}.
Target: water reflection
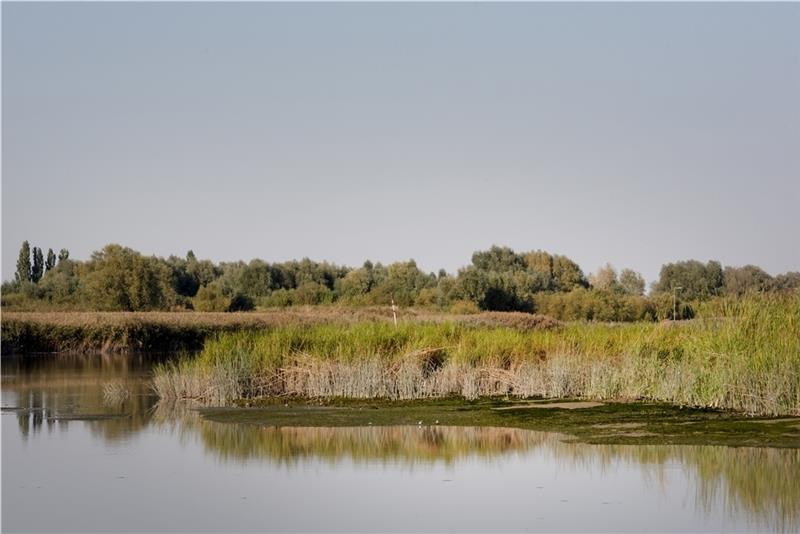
{"x": 407, "y": 445}
{"x": 761, "y": 481}
{"x": 55, "y": 391}
{"x": 47, "y": 396}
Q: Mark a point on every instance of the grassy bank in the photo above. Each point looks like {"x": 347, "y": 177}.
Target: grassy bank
{"x": 747, "y": 359}
{"x": 172, "y": 331}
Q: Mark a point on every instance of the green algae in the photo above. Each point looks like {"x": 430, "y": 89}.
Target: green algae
{"x": 610, "y": 423}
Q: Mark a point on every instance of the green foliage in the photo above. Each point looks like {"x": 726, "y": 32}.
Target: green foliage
{"x": 23, "y": 273}
{"x": 280, "y": 298}
{"x": 210, "y": 298}
{"x": 375, "y": 284}
{"x": 741, "y": 280}
{"x": 567, "y": 275}
{"x": 697, "y": 281}
{"x": 464, "y": 307}
{"x": 60, "y": 284}
{"x": 241, "y": 302}
{"x": 498, "y": 279}
{"x": 595, "y": 305}
{"x": 666, "y": 305}
{"x": 50, "y": 262}
{"x": 631, "y": 282}
{"x": 502, "y": 280}
{"x": 119, "y": 278}
{"x": 787, "y": 282}
{"x": 605, "y": 279}
{"x": 312, "y": 293}
{"x": 360, "y": 282}
{"x": 627, "y": 282}
{"x": 747, "y": 362}
{"x": 37, "y": 269}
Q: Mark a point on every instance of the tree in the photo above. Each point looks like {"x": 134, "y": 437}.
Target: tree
{"x": 631, "y": 282}
{"x": 63, "y": 255}
{"x": 118, "y": 278}
{"x": 741, "y": 280}
{"x": 605, "y": 279}
{"x": 255, "y": 279}
{"x": 696, "y": 280}
{"x": 210, "y": 298}
{"x": 492, "y": 290}
{"x": 567, "y": 275}
{"x": 23, "y": 273}
{"x": 357, "y": 283}
{"x": 498, "y": 259}
{"x": 182, "y": 281}
{"x": 312, "y": 293}
{"x": 60, "y": 284}
{"x": 37, "y": 270}
{"x": 241, "y": 302}
{"x": 51, "y": 260}
{"x": 787, "y": 282}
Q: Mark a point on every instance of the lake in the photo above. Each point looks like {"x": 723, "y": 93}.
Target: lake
{"x": 86, "y": 447}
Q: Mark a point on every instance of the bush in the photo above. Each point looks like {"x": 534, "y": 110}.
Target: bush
{"x": 596, "y": 305}
{"x": 663, "y": 305}
{"x": 464, "y": 307}
{"x": 210, "y": 298}
{"x": 280, "y": 298}
{"x": 241, "y": 302}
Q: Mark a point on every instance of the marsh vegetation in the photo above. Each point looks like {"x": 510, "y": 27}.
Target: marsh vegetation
{"x": 745, "y": 359}
{"x": 60, "y": 410}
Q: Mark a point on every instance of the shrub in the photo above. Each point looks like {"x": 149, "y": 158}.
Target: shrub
{"x": 210, "y": 298}
{"x": 464, "y": 307}
{"x": 241, "y": 302}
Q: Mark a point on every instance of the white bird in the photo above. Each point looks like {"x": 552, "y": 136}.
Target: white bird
{"x": 419, "y": 422}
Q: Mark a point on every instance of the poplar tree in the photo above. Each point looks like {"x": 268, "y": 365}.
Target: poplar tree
{"x": 23, "y": 273}
{"x": 51, "y": 260}
{"x": 38, "y": 265}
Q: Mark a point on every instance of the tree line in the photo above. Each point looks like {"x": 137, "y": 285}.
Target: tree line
{"x": 498, "y": 279}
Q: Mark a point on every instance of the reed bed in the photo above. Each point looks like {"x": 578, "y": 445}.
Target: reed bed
{"x": 170, "y": 331}
{"x": 747, "y": 359}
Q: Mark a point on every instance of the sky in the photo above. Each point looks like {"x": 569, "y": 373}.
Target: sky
{"x": 635, "y": 134}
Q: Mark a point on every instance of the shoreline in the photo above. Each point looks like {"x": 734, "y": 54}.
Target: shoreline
{"x": 614, "y": 422}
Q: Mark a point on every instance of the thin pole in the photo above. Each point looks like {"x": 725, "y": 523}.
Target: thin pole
{"x": 394, "y": 312}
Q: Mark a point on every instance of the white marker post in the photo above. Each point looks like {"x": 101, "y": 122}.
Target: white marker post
{"x": 394, "y": 312}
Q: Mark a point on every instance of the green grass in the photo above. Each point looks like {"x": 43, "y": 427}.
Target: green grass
{"x": 745, "y": 358}
{"x": 25, "y": 332}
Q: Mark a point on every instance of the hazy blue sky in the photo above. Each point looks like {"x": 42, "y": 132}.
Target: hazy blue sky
{"x": 631, "y": 133}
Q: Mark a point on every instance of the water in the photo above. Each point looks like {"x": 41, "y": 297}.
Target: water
{"x": 79, "y": 457}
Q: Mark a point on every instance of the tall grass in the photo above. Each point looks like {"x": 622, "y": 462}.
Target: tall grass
{"x": 169, "y": 331}
{"x": 747, "y": 359}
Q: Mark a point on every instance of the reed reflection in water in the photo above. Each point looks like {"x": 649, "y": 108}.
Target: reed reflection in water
{"x": 760, "y": 481}
{"x": 70, "y": 396}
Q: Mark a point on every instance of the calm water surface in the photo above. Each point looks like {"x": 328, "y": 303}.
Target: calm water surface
{"x": 78, "y": 456}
